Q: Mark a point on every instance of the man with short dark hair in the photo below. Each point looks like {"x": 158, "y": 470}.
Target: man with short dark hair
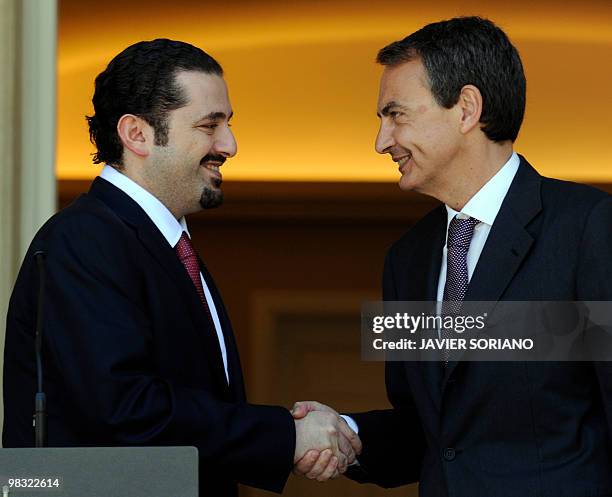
{"x": 138, "y": 348}
{"x": 451, "y": 102}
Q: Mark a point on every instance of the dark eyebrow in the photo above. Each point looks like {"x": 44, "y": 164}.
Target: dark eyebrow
{"x": 387, "y": 108}
{"x": 215, "y": 116}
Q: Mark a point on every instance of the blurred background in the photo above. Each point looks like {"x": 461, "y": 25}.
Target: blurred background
{"x": 310, "y": 207}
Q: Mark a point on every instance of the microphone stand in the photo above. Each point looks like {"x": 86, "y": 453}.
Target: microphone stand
{"x": 40, "y": 401}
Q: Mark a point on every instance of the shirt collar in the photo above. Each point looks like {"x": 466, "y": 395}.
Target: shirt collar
{"x": 487, "y": 201}
{"x": 163, "y": 219}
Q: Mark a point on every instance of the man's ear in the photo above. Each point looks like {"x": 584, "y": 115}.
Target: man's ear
{"x": 135, "y": 134}
{"x": 470, "y": 103}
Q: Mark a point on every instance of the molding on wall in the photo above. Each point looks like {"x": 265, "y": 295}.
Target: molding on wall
{"x": 272, "y": 201}
{"x": 304, "y": 201}
{"x": 265, "y": 308}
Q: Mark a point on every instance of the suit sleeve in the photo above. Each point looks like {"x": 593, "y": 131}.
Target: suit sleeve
{"x": 99, "y": 337}
{"x": 594, "y": 282}
{"x": 393, "y": 440}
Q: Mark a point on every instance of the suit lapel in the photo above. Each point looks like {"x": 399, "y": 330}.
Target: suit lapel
{"x": 418, "y": 271}
{"x": 234, "y": 369}
{"x": 507, "y": 245}
{"x": 155, "y": 243}
{"x": 204, "y": 327}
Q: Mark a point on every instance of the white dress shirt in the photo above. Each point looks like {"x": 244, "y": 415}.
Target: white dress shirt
{"x": 169, "y": 227}
{"x": 483, "y": 206}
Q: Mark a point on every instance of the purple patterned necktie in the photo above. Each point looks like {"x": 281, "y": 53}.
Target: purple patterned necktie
{"x": 460, "y": 234}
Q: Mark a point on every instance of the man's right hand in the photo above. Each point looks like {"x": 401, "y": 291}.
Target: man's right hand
{"x": 325, "y": 445}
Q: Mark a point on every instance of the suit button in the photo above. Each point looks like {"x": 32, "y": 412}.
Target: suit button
{"x": 448, "y": 454}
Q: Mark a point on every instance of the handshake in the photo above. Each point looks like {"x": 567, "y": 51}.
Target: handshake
{"x": 325, "y": 445}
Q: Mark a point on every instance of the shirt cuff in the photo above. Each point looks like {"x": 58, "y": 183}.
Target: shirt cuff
{"x": 353, "y": 426}
{"x": 351, "y": 422}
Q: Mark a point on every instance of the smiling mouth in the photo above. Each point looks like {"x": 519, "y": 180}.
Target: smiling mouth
{"x": 216, "y": 178}
{"x": 213, "y": 167}
{"x": 403, "y": 161}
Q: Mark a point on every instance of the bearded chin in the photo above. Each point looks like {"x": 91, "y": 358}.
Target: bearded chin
{"x": 211, "y": 198}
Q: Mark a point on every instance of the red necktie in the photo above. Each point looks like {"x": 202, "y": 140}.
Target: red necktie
{"x": 187, "y": 255}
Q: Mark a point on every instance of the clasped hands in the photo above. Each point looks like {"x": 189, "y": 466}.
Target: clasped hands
{"x": 325, "y": 445}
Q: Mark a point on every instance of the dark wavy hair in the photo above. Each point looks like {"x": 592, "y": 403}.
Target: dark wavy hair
{"x": 469, "y": 50}
{"x": 141, "y": 80}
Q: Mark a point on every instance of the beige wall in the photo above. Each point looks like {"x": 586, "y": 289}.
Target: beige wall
{"x": 27, "y": 133}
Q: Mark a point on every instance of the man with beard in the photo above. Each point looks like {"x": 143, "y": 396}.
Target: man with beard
{"x": 138, "y": 348}
{"x": 451, "y": 103}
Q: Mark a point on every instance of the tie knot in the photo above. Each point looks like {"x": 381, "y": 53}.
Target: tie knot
{"x": 184, "y": 248}
{"x": 460, "y": 232}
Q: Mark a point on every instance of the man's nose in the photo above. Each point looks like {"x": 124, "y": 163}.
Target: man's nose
{"x": 226, "y": 143}
{"x": 384, "y": 139}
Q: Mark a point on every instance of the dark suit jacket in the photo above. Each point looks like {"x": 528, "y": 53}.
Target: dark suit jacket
{"x": 502, "y": 429}
{"x": 129, "y": 355}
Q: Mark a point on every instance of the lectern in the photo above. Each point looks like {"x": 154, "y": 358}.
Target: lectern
{"x": 99, "y": 472}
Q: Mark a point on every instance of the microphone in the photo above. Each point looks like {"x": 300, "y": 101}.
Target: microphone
{"x": 40, "y": 400}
